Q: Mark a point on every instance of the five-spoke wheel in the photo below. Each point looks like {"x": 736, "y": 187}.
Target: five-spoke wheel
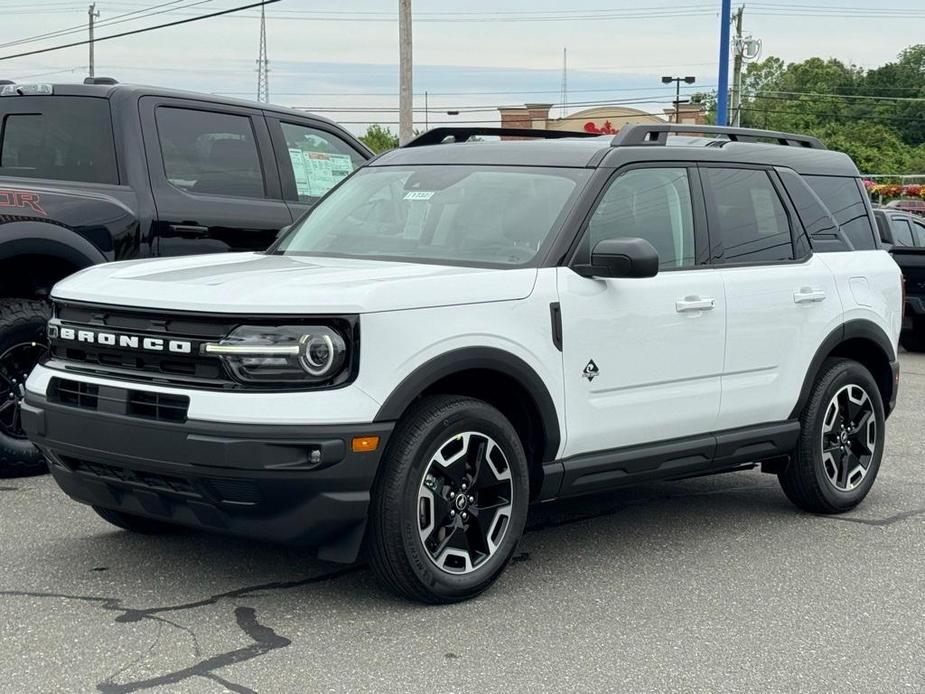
{"x": 849, "y": 437}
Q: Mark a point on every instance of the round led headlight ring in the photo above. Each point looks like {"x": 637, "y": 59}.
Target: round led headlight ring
{"x": 317, "y": 354}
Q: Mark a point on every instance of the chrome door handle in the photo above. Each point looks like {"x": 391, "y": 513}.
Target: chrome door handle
{"x": 808, "y": 295}
{"x": 695, "y": 303}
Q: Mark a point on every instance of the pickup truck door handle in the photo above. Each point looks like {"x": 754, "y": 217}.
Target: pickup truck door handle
{"x": 808, "y": 295}
{"x": 189, "y": 229}
{"x": 695, "y": 303}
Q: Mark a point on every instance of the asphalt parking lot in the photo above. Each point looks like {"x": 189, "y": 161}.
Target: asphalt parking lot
{"x": 706, "y": 585}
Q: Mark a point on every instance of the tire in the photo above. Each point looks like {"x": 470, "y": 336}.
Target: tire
{"x": 414, "y": 489}
{"x": 914, "y": 340}
{"x": 135, "y": 524}
{"x": 836, "y": 482}
{"x": 23, "y": 326}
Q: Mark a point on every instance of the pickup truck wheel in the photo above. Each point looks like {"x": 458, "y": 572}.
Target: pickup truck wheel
{"x": 841, "y": 441}
{"x": 450, "y": 503}
{"x": 135, "y": 524}
{"x": 22, "y": 342}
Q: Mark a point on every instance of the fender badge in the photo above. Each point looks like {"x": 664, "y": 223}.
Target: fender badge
{"x": 590, "y": 371}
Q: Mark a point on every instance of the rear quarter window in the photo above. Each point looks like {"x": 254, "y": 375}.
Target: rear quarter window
{"x": 62, "y": 139}
{"x": 847, "y": 204}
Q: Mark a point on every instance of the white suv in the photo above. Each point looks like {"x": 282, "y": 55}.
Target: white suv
{"x": 459, "y": 330}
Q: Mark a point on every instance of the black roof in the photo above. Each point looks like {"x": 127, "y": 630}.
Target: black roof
{"x": 803, "y": 154}
{"x": 108, "y": 91}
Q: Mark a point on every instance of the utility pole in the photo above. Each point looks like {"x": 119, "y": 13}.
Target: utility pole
{"x": 92, "y": 14}
{"x": 405, "y": 104}
{"x": 263, "y": 65}
{"x": 737, "y": 70}
{"x": 722, "y": 86}
{"x": 563, "y": 97}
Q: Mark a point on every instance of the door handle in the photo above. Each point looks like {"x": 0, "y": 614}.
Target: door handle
{"x": 695, "y": 303}
{"x": 188, "y": 229}
{"x": 807, "y": 295}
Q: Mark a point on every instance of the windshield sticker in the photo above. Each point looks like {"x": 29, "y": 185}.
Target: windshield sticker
{"x": 317, "y": 172}
{"x": 418, "y": 195}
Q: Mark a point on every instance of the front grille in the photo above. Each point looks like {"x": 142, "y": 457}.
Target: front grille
{"x": 161, "y": 407}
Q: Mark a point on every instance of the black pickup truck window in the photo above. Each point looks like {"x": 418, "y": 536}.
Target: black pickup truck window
{"x": 65, "y": 139}
{"x": 210, "y": 153}
{"x": 319, "y": 160}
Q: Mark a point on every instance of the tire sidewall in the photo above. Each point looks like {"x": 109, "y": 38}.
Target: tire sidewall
{"x": 21, "y": 452}
{"x": 849, "y": 373}
{"x": 469, "y": 417}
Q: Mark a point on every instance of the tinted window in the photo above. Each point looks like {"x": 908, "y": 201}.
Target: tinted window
{"x": 473, "y": 215}
{"x": 918, "y": 229}
{"x": 653, "y": 204}
{"x": 747, "y": 216}
{"x": 902, "y": 232}
{"x": 845, "y": 201}
{"x": 66, "y": 139}
{"x": 319, "y": 160}
{"x": 211, "y": 153}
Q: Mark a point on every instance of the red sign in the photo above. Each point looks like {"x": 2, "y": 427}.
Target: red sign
{"x": 20, "y": 199}
{"x": 606, "y": 129}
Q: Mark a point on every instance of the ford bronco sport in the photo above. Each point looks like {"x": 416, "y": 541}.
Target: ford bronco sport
{"x": 461, "y": 329}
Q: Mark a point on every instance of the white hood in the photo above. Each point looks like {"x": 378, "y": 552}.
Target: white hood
{"x": 257, "y": 283}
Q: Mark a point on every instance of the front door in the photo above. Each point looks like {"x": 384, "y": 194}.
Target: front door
{"x": 215, "y": 181}
{"x": 643, "y": 358}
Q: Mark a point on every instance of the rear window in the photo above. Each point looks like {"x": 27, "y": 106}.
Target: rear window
{"x": 848, "y": 206}
{"x": 63, "y": 139}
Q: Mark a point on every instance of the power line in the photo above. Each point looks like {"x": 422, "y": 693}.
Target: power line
{"x": 140, "y": 31}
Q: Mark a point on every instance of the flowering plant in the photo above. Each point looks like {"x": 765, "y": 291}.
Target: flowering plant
{"x": 895, "y": 190}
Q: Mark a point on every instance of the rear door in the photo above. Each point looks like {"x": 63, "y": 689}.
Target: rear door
{"x": 214, "y": 177}
{"x": 781, "y": 301}
{"x": 313, "y": 157}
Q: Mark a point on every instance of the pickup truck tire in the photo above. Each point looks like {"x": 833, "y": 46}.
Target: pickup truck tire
{"x": 450, "y": 502}
{"x": 841, "y": 441}
{"x": 23, "y": 325}
{"x": 135, "y": 524}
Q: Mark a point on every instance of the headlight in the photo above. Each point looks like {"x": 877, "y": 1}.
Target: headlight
{"x": 289, "y": 354}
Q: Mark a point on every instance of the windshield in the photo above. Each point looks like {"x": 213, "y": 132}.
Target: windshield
{"x": 493, "y": 216}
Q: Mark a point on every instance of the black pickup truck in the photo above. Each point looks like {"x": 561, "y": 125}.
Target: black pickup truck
{"x": 903, "y": 234}
{"x": 99, "y": 171}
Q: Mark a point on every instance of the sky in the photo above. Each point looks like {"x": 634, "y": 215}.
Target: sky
{"x": 340, "y": 58}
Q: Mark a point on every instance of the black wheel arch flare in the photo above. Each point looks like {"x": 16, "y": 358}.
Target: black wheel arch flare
{"x": 853, "y": 330}
{"x": 477, "y": 358}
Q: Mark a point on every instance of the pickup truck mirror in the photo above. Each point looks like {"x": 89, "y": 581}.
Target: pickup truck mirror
{"x": 630, "y": 257}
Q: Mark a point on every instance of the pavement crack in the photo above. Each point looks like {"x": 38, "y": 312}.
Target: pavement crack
{"x": 264, "y": 640}
{"x": 878, "y": 522}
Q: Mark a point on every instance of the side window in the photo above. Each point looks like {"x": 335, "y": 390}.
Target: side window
{"x": 842, "y": 195}
{"x": 902, "y": 232}
{"x": 653, "y": 204}
{"x": 816, "y": 219}
{"x": 209, "y": 153}
{"x": 747, "y": 216}
{"x": 66, "y": 139}
{"x": 918, "y": 229}
{"x": 319, "y": 160}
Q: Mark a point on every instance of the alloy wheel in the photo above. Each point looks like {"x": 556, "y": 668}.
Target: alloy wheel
{"x": 464, "y": 502}
{"x": 15, "y": 365}
{"x": 849, "y": 437}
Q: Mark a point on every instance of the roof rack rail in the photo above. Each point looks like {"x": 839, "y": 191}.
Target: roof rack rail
{"x": 632, "y": 135}
{"x": 7, "y": 82}
{"x": 100, "y": 80}
{"x": 435, "y": 136}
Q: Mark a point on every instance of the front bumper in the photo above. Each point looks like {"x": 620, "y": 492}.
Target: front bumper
{"x": 256, "y": 481}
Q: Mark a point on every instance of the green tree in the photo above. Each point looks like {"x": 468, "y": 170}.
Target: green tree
{"x": 379, "y": 139}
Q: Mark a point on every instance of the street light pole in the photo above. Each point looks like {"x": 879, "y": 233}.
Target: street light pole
{"x": 405, "y": 106}
{"x": 668, "y": 79}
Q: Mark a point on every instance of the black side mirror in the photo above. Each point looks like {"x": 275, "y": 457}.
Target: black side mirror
{"x": 630, "y": 257}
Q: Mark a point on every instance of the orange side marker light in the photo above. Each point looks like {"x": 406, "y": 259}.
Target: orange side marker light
{"x": 365, "y": 444}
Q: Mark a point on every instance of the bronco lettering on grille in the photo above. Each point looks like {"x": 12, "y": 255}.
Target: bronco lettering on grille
{"x": 151, "y": 344}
